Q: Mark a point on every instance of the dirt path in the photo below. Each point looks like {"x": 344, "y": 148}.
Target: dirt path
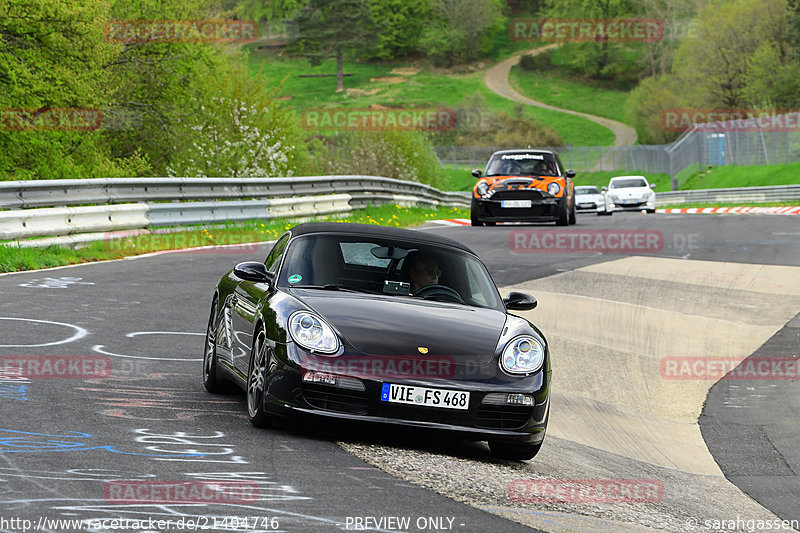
{"x": 496, "y": 79}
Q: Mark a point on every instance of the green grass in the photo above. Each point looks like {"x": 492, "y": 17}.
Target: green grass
{"x": 14, "y": 258}
{"x": 458, "y": 180}
{"x": 741, "y": 176}
{"x": 423, "y": 89}
{"x": 556, "y": 88}
{"x": 601, "y": 178}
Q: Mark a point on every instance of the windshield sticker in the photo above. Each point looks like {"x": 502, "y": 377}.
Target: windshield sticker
{"x": 295, "y": 278}
{"x": 523, "y": 156}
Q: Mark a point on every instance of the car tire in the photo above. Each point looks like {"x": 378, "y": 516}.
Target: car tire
{"x": 651, "y": 211}
{"x": 563, "y": 214}
{"x": 490, "y": 223}
{"x": 256, "y": 376}
{"x": 516, "y": 451}
{"x": 474, "y": 219}
{"x": 210, "y": 380}
{"x": 572, "y": 218}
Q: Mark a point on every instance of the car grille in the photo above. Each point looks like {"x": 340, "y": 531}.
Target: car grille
{"x": 335, "y": 399}
{"x": 525, "y": 194}
{"x": 502, "y": 416}
{"x": 536, "y": 210}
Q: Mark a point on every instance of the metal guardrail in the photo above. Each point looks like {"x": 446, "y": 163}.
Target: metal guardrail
{"x": 51, "y": 193}
{"x": 778, "y": 193}
{"x": 36, "y": 208}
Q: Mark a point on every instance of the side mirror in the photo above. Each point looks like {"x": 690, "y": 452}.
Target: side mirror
{"x": 253, "y": 271}
{"x": 570, "y": 173}
{"x": 519, "y": 301}
{"x": 604, "y": 189}
{"x": 477, "y": 174}
{"x": 652, "y": 185}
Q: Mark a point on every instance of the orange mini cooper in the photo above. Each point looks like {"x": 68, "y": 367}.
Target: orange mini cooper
{"x": 523, "y": 186}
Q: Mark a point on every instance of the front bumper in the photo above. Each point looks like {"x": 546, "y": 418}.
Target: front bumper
{"x": 590, "y": 207}
{"x": 637, "y": 206}
{"x": 289, "y": 396}
{"x": 541, "y": 210}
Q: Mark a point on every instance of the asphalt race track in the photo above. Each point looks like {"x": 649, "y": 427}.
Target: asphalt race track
{"x": 714, "y": 286}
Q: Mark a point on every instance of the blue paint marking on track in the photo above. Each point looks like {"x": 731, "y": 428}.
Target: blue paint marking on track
{"x": 23, "y": 444}
{"x": 13, "y": 391}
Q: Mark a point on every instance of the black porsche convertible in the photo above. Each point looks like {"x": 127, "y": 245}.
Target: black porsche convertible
{"x": 381, "y": 325}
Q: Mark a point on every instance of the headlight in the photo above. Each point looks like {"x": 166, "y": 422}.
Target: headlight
{"x": 553, "y": 188}
{"x": 482, "y": 187}
{"x": 312, "y": 333}
{"x": 613, "y": 197}
{"x": 522, "y": 355}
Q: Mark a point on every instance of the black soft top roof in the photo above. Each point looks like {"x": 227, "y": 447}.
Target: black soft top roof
{"x": 377, "y": 231}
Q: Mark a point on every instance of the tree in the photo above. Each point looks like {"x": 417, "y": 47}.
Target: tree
{"x": 676, "y": 17}
{"x": 52, "y": 56}
{"x": 458, "y": 28}
{"x": 332, "y": 28}
{"x": 270, "y": 9}
{"x": 595, "y": 59}
{"x": 400, "y": 22}
{"x": 793, "y": 31}
{"x": 716, "y": 60}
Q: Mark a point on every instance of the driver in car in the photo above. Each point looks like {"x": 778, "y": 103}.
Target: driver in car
{"x": 423, "y": 271}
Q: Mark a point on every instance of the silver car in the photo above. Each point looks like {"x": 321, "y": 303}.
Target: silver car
{"x": 589, "y": 199}
{"x": 631, "y": 193}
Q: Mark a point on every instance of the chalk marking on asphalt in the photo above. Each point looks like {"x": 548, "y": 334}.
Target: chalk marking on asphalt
{"x": 79, "y": 333}
{"x": 99, "y": 349}
{"x": 137, "y": 333}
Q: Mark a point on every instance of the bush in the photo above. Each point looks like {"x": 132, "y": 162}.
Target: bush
{"x": 477, "y": 125}
{"x": 535, "y": 62}
{"x": 406, "y": 155}
{"x": 239, "y": 130}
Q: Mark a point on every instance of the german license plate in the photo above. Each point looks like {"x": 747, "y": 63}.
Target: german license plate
{"x": 515, "y": 203}
{"x": 425, "y": 397}
{"x": 585, "y": 206}
{"x": 626, "y": 202}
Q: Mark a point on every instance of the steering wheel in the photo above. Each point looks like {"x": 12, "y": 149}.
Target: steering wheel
{"x": 439, "y": 291}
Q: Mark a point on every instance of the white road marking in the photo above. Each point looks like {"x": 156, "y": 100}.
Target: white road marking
{"x": 79, "y": 333}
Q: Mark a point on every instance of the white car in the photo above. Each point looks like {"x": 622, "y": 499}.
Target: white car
{"x": 589, "y": 198}
{"x": 631, "y": 193}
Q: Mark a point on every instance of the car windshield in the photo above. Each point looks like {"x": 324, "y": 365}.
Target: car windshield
{"x": 388, "y": 267}
{"x": 523, "y": 164}
{"x": 587, "y": 190}
{"x": 628, "y": 183}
